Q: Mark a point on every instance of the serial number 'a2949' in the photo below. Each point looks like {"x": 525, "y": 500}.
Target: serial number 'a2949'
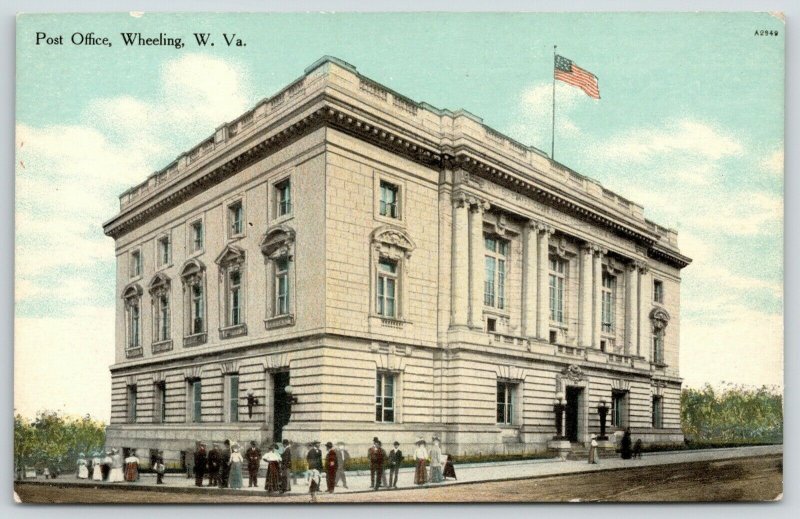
{"x": 766, "y": 32}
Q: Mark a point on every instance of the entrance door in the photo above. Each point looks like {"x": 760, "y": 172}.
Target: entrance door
{"x": 280, "y": 403}
{"x": 572, "y": 413}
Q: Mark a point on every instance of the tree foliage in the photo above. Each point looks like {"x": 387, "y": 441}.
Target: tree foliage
{"x": 54, "y": 440}
{"x": 734, "y": 413}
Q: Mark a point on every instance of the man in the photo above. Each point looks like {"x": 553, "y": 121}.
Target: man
{"x": 314, "y": 457}
{"x": 330, "y": 467}
{"x": 286, "y": 467}
{"x": 626, "y": 445}
{"x": 200, "y": 462}
{"x": 225, "y": 464}
{"x": 342, "y": 457}
{"x": 376, "y": 457}
{"x": 395, "y": 459}
{"x": 253, "y": 456}
{"x": 188, "y": 458}
{"x": 160, "y": 469}
{"x": 214, "y": 461}
{"x": 106, "y": 467}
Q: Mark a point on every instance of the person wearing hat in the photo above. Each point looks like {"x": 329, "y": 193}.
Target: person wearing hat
{"x": 286, "y": 466}
{"x": 253, "y": 456}
{"x": 376, "y": 456}
{"x": 200, "y": 463}
{"x": 214, "y": 463}
{"x": 395, "y": 459}
{"x": 421, "y": 458}
{"x": 273, "y": 479}
{"x": 106, "y": 467}
{"x": 330, "y": 467}
{"x": 235, "y": 478}
{"x": 342, "y": 457}
{"x": 97, "y": 466}
{"x": 436, "y": 461}
{"x": 314, "y": 457}
{"x": 116, "y": 475}
{"x": 132, "y": 468}
{"x": 593, "y": 450}
{"x": 161, "y": 469}
{"x": 224, "y": 464}
{"x": 83, "y": 472}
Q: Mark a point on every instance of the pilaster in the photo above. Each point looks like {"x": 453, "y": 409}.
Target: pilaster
{"x": 530, "y": 279}
{"x": 459, "y": 295}
{"x": 543, "y": 305}
{"x": 645, "y": 298}
{"x": 476, "y": 261}
{"x": 597, "y": 328}
{"x": 631, "y": 308}
{"x": 585, "y": 296}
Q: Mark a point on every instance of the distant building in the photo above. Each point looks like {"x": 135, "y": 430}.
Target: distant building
{"x": 407, "y": 270}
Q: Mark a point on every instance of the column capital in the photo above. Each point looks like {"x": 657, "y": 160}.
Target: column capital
{"x": 642, "y": 266}
{"x": 460, "y": 199}
{"x": 478, "y": 205}
{"x": 599, "y": 251}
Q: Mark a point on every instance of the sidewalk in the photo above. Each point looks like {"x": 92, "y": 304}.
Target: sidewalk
{"x": 358, "y": 481}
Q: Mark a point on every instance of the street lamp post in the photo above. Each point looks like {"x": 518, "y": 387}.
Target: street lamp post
{"x": 558, "y": 409}
{"x": 602, "y": 410}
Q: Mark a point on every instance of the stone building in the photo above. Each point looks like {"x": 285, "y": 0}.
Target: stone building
{"x": 342, "y": 262}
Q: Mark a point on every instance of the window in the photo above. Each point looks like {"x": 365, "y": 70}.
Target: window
{"x": 233, "y": 397}
{"x": 387, "y": 288}
{"x": 132, "y": 403}
{"x": 553, "y": 336}
{"x": 164, "y": 251}
{"x": 160, "y": 408}
{"x": 384, "y": 397}
{"x": 658, "y": 291}
{"x": 136, "y": 264}
{"x": 134, "y": 322}
{"x": 162, "y": 318}
{"x": 195, "y": 401}
{"x": 197, "y": 309}
{"x": 197, "y": 236}
{"x": 557, "y": 276}
{"x": 657, "y": 412}
{"x": 505, "y": 403}
{"x": 235, "y": 219}
{"x": 389, "y": 200}
{"x": 491, "y": 324}
{"x": 282, "y": 286}
{"x": 608, "y": 293}
{"x": 283, "y": 192}
{"x": 495, "y": 282}
{"x": 619, "y": 409}
{"x": 234, "y": 297}
{"x": 658, "y": 348}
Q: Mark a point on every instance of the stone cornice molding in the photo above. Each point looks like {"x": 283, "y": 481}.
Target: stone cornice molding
{"x": 278, "y": 242}
{"x": 132, "y": 292}
{"x": 159, "y": 285}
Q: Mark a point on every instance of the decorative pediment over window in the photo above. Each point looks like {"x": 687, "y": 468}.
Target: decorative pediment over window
{"x": 660, "y": 319}
{"x": 231, "y": 254}
{"x": 192, "y": 272}
{"x": 278, "y": 242}
{"x": 132, "y": 293}
{"x": 159, "y": 285}
{"x": 392, "y": 243}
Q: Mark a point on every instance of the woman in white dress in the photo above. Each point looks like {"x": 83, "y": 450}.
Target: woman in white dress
{"x": 116, "y": 475}
{"x": 436, "y": 462}
{"x": 97, "y": 467}
{"x": 83, "y": 472}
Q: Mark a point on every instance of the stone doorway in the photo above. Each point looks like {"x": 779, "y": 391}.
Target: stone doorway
{"x": 574, "y": 398}
{"x": 282, "y": 409}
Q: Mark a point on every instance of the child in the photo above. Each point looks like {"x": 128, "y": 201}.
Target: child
{"x": 637, "y": 449}
{"x": 160, "y": 469}
{"x": 313, "y": 484}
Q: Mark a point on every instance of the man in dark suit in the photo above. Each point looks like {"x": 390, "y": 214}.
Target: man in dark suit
{"x": 395, "y": 459}
{"x": 214, "y": 461}
{"x": 314, "y": 457}
{"x": 200, "y": 461}
{"x": 225, "y": 464}
{"x": 376, "y": 456}
{"x": 253, "y": 456}
{"x": 286, "y": 466}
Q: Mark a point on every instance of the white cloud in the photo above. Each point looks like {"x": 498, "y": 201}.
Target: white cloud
{"x": 773, "y": 163}
{"x": 534, "y": 123}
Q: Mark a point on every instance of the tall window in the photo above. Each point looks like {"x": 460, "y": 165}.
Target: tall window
{"x": 195, "y": 401}
{"x": 384, "y": 397}
{"x": 389, "y": 200}
{"x": 283, "y": 191}
{"x": 495, "y": 282}
{"x": 235, "y": 218}
{"x": 505, "y": 403}
{"x": 160, "y": 407}
{"x": 197, "y": 308}
{"x": 658, "y": 348}
{"x": 233, "y": 397}
{"x": 162, "y": 317}
{"x": 197, "y": 236}
{"x": 658, "y": 291}
{"x": 619, "y": 408}
{"x": 234, "y": 297}
{"x": 608, "y": 302}
{"x": 658, "y": 421}
{"x": 134, "y": 324}
{"x": 557, "y": 276}
{"x": 136, "y": 264}
{"x": 386, "y": 305}
{"x": 282, "y": 286}
{"x": 164, "y": 251}
{"x": 132, "y": 403}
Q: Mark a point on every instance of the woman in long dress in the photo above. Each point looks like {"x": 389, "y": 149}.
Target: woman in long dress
{"x": 235, "y": 478}
{"x": 97, "y": 467}
{"x": 421, "y": 457}
{"x": 131, "y": 468}
{"x": 83, "y": 472}
{"x": 116, "y": 475}
{"x": 593, "y": 451}
{"x": 436, "y": 462}
{"x": 273, "y": 479}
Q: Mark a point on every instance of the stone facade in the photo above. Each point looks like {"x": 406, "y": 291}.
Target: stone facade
{"x": 339, "y": 237}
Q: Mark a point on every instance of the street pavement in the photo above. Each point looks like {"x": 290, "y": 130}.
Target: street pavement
{"x": 359, "y": 481}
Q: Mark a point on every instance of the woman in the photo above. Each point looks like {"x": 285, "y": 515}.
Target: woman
{"x": 83, "y": 472}
{"x": 593, "y": 450}
{"x": 235, "y": 480}
{"x": 436, "y": 462}
{"x": 625, "y": 445}
{"x": 449, "y": 469}
{"x": 273, "y": 479}
{"x": 116, "y": 475}
{"x": 421, "y": 456}
{"x": 131, "y": 468}
{"x": 97, "y": 467}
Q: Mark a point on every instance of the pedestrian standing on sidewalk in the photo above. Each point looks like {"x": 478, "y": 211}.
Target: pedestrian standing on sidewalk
{"x": 286, "y": 466}
{"x": 200, "y": 463}
{"x": 593, "y": 451}
{"x": 97, "y": 467}
{"x": 106, "y": 467}
{"x": 188, "y": 457}
{"x": 313, "y": 484}
{"x": 314, "y": 457}
{"x": 376, "y": 457}
{"x": 132, "y": 468}
{"x": 342, "y": 458}
{"x": 449, "y": 468}
{"x": 116, "y": 475}
{"x": 160, "y": 470}
{"x": 273, "y": 479}
{"x": 625, "y": 445}
{"x": 214, "y": 461}
{"x": 436, "y": 462}
{"x": 421, "y": 457}
{"x": 637, "y": 449}
{"x": 330, "y": 467}
{"x": 235, "y": 479}
{"x": 225, "y": 464}
{"x": 395, "y": 459}
{"x": 83, "y": 472}
{"x": 253, "y": 456}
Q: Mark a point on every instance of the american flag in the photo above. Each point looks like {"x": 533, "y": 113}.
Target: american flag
{"x": 569, "y": 72}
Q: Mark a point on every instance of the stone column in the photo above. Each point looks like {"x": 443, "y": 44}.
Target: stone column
{"x": 459, "y": 296}
{"x": 598, "y": 296}
{"x": 543, "y": 294}
{"x": 476, "y": 262}
{"x": 530, "y": 279}
{"x": 645, "y": 304}
{"x": 631, "y": 308}
{"x": 585, "y": 297}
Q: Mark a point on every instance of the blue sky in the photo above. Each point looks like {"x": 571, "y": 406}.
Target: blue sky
{"x": 690, "y": 124}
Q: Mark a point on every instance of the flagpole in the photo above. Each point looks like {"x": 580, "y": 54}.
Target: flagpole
{"x": 553, "y": 130}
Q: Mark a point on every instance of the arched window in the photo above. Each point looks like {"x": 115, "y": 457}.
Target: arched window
{"x": 391, "y": 250}
{"x": 159, "y": 289}
{"x": 132, "y": 297}
{"x": 193, "y": 277}
{"x": 659, "y": 319}
{"x": 278, "y": 249}
{"x": 232, "y": 292}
